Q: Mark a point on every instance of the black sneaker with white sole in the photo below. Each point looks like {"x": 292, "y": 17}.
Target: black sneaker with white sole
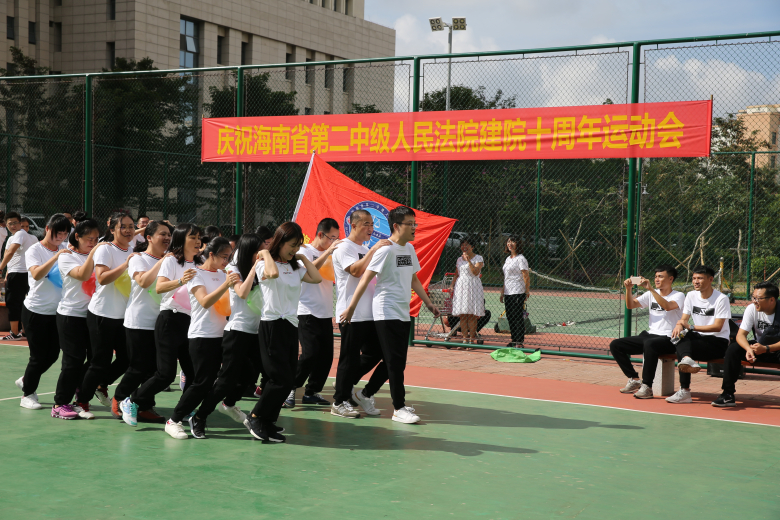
{"x": 725, "y": 400}
{"x": 314, "y": 399}
{"x": 269, "y": 433}
{"x": 198, "y": 427}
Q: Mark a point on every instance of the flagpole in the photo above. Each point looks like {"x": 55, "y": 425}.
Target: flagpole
{"x": 303, "y": 188}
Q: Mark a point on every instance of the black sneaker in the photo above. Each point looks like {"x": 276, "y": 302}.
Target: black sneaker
{"x": 725, "y": 400}
{"x": 198, "y": 427}
{"x": 273, "y": 436}
{"x": 290, "y": 401}
{"x": 270, "y": 433}
{"x": 314, "y": 399}
{"x": 277, "y": 429}
{"x": 255, "y": 429}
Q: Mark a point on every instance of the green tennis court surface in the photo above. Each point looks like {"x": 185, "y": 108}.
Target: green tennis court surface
{"x": 475, "y": 456}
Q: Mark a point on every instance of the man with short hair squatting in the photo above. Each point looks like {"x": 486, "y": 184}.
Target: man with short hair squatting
{"x": 395, "y": 267}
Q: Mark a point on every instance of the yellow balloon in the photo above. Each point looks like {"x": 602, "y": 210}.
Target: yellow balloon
{"x": 122, "y": 284}
{"x": 327, "y": 270}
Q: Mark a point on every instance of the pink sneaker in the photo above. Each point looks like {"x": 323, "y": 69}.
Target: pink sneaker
{"x": 65, "y": 411}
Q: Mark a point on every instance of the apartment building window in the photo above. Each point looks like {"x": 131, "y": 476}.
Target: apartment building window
{"x": 289, "y": 73}
{"x": 336, "y": 5}
{"x": 110, "y": 54}
{"x": 348, "y": 7}
{"x": 245, "y": 58}
{"x": 188, "y": 44}
{"x": 31, "y": 34}
{"x": 111, "y": 9}
{"x": 329, "y": 76}
{"x": 10, "y": 33}
{"x": 220, "y": 43}
{"x": 309, "y": 73}
{"x": 774, "y": 137}
{"x": 57, "y": 36}
{"x": 773, "y": 161}
{"x": 307, "y": 111}
{"x": 347, "y": 77}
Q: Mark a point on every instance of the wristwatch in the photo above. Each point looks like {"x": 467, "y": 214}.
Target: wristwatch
{"x": 693, "y": 327}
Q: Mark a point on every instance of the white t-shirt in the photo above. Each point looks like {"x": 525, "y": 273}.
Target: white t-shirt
{"x": 137, "y": 239}
{"x": 107, "y": 300}
{"x": 395, "y": 265}
{"x": 74, "y": 300}
{"x": 705, "y": 312}
{"x": 756, "y": 321}
{"x": 171, "y": 270}
{"x": 280, "y": 295}
{"x": 205, "y": 323}
{"x": 25, "y": 241}
{"x": 346, "y": 254}
{"x": 514, "y": 283}
{"x": 241, "y": 318}
{"x": 316, "y": 299}
{"x": 43, "y": 296}
{"x": 662, "y": 322}
{"x": 142, "y": 310}
{"x": 3, "y": 234}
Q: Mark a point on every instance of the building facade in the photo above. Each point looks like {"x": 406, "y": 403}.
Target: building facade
{"x": 764, "y": 120}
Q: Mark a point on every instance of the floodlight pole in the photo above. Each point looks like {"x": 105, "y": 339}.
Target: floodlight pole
{"x": 449, "y": 66}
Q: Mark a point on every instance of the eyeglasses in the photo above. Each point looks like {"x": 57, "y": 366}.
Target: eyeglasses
{"x": 759, "y": 299}
{"x": 332, "y": 239}
{"x": 413, "y": 224}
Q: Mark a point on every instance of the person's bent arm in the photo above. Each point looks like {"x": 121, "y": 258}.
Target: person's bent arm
{"x": 105, "y": 276}
{"x": 83, "y": 272}
{"x": 346, "y": 316}
{"x": 681, "y": 324}
{"x": 9, "y": 253}
{"x": 312, "y": 275}
{"x": 244, "y": 288}
{"x": 39, "y": 272}
{"x": 716, "y": 326}
{"x": 208, "y": 300}
{"x": 270, "y": 269}
{"x": 631, "y": 302}
{"x": 527, "y": 279}
{"x": 476, "y": 268}
{"x": 320, "y": 261}
{"x": 165, "y": 285}
{"x": 146, "y": 278}
{"x": 417, "y": 287}
{"x": 358, "y": 268}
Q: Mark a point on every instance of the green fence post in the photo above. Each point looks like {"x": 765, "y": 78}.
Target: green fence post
{"x": 165, "y": 189}
{"x": 750, "y": 223}
{"x": 219, "y": 196}
{"x": 88, "y": 145}
{"x": 239, "y": 166}
{"x": 639, "y": 189}
{"x": 413, "y": 177}
{"x": 8, "y": 186}
{"x": 631, "y": 210}
{"x": 537, "y": 213}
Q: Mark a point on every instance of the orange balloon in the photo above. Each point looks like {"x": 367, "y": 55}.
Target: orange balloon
{"x": 327, "y": 270}
{"x": 223, "y": 305}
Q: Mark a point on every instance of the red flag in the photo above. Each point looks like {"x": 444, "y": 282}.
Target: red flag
{"x": 327, "y": 193}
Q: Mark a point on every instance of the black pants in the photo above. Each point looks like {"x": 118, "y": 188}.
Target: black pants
{"x": 41, "y": 330}
{"x": 170, "y": 338}
{"x": 394, "y": 342}
{"x": 316, "y": 338}
{"x": 513, "y": 303}
{"x": 700, "y": 348}
{"x": 106, "y": 337}
{"x": 360, "y": 353}
{"x": 733, "y": 359}
{"x": 16, "y": 288}
{"x": 142, "y": 354}
{"x": 481, "y": 320}
{"x": 655, "y": 347}
{"x": 623, "y": 348}
{"x": 231, "y": 378}
{"x": 279, "y": 351}
{"x": 206, "y": 355}
{"x": 74, "y": 342}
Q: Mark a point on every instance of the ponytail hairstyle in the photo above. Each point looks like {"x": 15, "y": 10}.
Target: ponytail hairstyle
{"x": 246, "y": 252}
{"x": 58, "y": 223}
{"x": 285, "y": 233}
{"x": 208, "y": 234}
{"x": 116, "y": 217}
{"x": 80, "y": 216}
{"x": 82, "y": 228}
{"x": 149, "y": 231}
{"x": 215, "y": 246}
{"x": 179, "y": 238}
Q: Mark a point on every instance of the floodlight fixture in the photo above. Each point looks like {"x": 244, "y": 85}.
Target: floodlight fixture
{"x": 437, "y": 24}
{"x": 459, "y": 24}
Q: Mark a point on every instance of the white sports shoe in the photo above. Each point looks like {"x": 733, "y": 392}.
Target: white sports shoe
{"x": 20, "y": 383}
{"x": 631, "y": 387}
{"x": 175, "y": 430}
{"x": 31, "y": 402}
{"x": 344, "y": 410}
{"x": 366, "y": 403}
{"x": 406, "y": 415}
{"x": 84, "y": 413}
{"x": 688, "y": 365}
{"x": 682, "y": 396}
{"x": 234, "y": 412}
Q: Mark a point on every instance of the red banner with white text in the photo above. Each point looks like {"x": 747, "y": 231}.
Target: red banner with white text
{"x": 328, "y": 193}
{"x": 676, "y": 129}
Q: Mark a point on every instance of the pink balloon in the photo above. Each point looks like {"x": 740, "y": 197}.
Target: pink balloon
{"x": 182, "y": 297}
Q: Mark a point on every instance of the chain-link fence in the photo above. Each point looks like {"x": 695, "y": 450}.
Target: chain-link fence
{"x": 570, "y": 218}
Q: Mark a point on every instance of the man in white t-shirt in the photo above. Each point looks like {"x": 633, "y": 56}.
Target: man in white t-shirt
{"x": 315, "y": 319}
{"x": 396, "y": 267}
{"x": 138, "y": 237}
{"x": 665, "y": 309}
{"x": 763, "y": 320}
{"x": 707, "y": 338}
{"x": 16, "y": 284}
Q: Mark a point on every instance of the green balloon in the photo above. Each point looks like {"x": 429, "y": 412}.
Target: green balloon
{"x": 153, "y": 292}
{"x": 255, "y": 301}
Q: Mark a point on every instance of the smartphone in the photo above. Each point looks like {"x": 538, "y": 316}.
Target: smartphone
{"x": 635, "y": 280}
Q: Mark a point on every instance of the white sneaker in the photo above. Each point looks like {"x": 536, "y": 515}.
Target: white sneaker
{"x": 20, "y": 383}
{"x": 682, "y": 396}
{"x": 688, "y": 366}
{"x": 234, "y": 412}
{"x": 344, "y": 410}
{"x": 31, "y": 402}
{"x": 645, "y": 392}
{"x": 406, "y": 415}
{"x": 102, "y": 396}
{"x": 182, "y": 380}
{"x": 631, "y": 387}
{"x": 84, "y": 413}
{"x": 366, "y": 403}
{"x": 175, "y": 430}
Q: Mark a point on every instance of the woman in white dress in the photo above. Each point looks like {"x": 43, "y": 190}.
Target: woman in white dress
{"x": 468, "y": 299}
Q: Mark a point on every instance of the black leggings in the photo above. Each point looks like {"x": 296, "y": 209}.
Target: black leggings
{"x": 16, "y": 287}
{"x": 142, "y": 354}
{"x": 279, "y": 351}
{"x": 206, "y": 355}
{"x": 74, "y": 341}
{"x": 233, "y": 375}
{"x": 394, "y": 342}
{"x": 41, "y": 330}
{"x": 107, "y": 337}
{"x": 513, "y": 303}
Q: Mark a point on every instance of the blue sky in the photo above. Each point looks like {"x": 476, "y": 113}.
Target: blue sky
{"x": 523, "y": 24}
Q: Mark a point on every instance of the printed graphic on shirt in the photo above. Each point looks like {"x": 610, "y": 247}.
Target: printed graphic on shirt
{"x": 403, "y": 261}
{"x": 361, "y": 256}
{"x": 699, "y": 311}
{"x": 762, "y": 325}
{"x": 655, "y": 307}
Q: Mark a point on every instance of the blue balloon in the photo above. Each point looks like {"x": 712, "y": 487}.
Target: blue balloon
{"x": 54, "y": 275}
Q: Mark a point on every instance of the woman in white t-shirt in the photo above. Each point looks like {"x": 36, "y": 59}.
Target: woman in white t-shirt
{"x": 140, "y": 316}
{"x": 207, "y": 327}
{"x": 468, "y": 297}
{"x": 241, "y": 332}
{"x": 516, "y": 290}
{"x": 106, "y": 313}
{"x": 39, "y": 312}
{"x": 173, "y": 322}
{"x": 75, "y": 269}
{"x": 280, "y": 282}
